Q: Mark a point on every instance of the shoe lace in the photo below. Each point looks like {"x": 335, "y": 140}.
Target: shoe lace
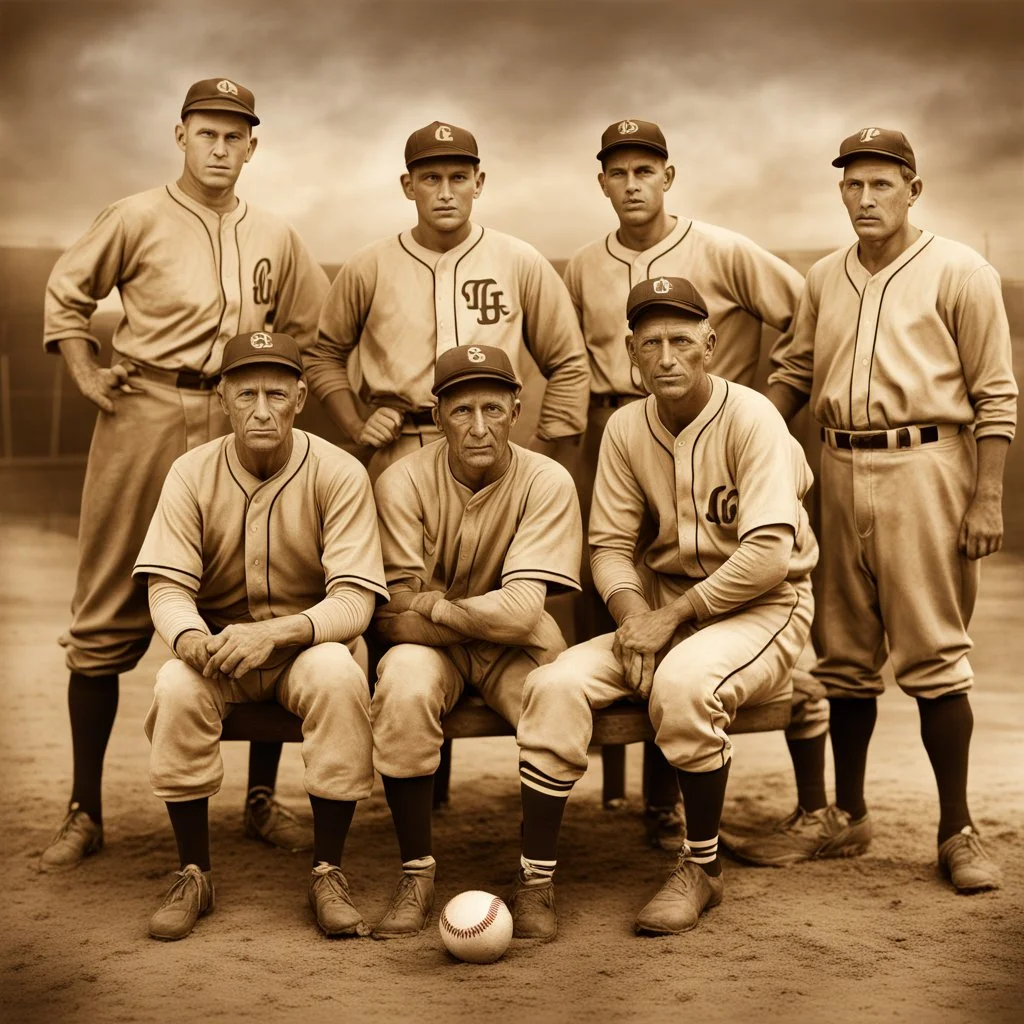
{"x": 406, "y": 891}
{"x": 178, "y": 888}
{"x": 330, "y": 877}
{"x": 71, "y": 823}
{"x": 539, "y": 894}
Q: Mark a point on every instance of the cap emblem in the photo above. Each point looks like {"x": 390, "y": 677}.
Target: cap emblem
{"x": 662, "y": 286}
{"x": 868, "y": 134}
{"x": 261, "y": 340}
{"x": 443, "y": 133}
{"x": 229, "y": 87}
{"x": 628, "y": 127}
{"x": 476, "y": 355}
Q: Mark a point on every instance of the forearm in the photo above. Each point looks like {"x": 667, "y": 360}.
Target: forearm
{"x": 507, "y": 615}
{"x": 173, "y": 610}
{"x": 563, "y": 411}
{"x": 786, "y": 398}
{"x": 341, "y": 407}
{"x": 613, "y": 571}
{"x": 992, "y": 452}
{"x": 409, "y": 627}
{"x": 79, "y": 355}
{"x": 624, "y": 603}
{"x": 341, "y": 616}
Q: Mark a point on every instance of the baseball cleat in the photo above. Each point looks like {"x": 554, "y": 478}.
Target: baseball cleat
{"x": 77, "y": 838}
{"x": 665, "y": 827}
{"x": 678, "y": 904}
{"x": 804, "y": 835}
{"x": 963, "y": 860}
{"x": 410, "y": 907}
{"x": 329, "y": 898}
{"x": 189, "y": 897}
{"x": 533, "y": 909}
{"x": 270, "y": 821}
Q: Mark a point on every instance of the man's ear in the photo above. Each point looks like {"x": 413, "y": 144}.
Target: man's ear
{"x": 406, "y": 182}
{"x": 670, "y": 176}
{"x": 601, "y": 181}
{"x": 253, "y": 143}
{"x": 303, "y": 393}
{"x": 709, "y": 346}
{"x": 517, "y": 408}
{"x": 480, "y": 176}
{"x": 916, "y": 188}
{"x": 222, "y": 398}
{"x": 180, "y": 136}
{"x": 435, "y": 413}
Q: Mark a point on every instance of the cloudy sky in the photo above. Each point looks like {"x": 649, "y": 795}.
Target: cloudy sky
{"x": 753, "y": 98}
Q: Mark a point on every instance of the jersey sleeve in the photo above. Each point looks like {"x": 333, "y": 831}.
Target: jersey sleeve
{"x": 548, "y": 542}
{"x": 86, "y": 272}
{"x": 551, "y": 332}
{"x": 342, "y": 316}
{"x": 173, "y": 547}
{"x": 400, "y": 517}
{"x": 351, "y": 542}
{"x": 301, "y": 295}
{"x": 792, "y": 356}
{"x": 766, "y": 286}
{"x": 573, "y": 278}
{"x": 982, "y": 335}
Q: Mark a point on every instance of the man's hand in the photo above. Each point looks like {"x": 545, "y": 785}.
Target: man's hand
{"x": 241, "y": 648}
{"x": 381, "y": 428}
{"x": 424, "y": 602}
{"x": 191, "y": 649}
{"x": 981, "y": 532}
{"x": 638, "y": 640}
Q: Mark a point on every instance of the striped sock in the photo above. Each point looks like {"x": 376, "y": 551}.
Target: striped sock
{"x": 705, "y": 853}
{"x": 537, "y": 871}
{"x": 419, "y": 866}
{"x": 542, "y": 783}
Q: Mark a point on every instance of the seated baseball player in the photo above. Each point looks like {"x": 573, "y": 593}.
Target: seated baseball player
{"x": 475, "y": 533}
{"x": 264, "y": 567}
{"x": 701, "y": 549}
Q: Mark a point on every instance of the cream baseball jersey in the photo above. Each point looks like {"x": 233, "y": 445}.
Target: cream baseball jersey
{"x": 742, "y": 284}
{"x": 924, "y": 341}
{"x": 253, "y": 549}
{"x": 396, "y": 306}
{"x": 680, "y": 505}
{"x": 437, "y": 534}
{"x": 189, "y": 280}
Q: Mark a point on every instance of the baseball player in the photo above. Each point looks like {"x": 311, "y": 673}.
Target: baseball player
{"x": 475, "y": 533}
{"x": 701, "y": 548}
{"x": 194, "y": 265}
{"x": 400, "y": 303}
{"x": 903, "y": 347}
{"x": 263, "y": 565}
{"x": 745, "y": 288}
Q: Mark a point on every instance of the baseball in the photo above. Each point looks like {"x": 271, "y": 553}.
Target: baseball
{"x": 476, "y": 927}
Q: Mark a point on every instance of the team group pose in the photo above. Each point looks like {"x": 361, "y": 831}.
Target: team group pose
{"x": 659, "y": 487}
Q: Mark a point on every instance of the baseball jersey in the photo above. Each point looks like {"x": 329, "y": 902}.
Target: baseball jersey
{"x": 252, "y": 549}
{"x": 437, "y": 534}
{"x": 742, "y": 284}
{"x": 396, "y": 306}
{"x": 679, "y": 506}
{"x": 923, "y": 341}
{"x": 190, "y": 280}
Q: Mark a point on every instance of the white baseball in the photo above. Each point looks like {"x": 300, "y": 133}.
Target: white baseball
{"x": 476, "y": 927}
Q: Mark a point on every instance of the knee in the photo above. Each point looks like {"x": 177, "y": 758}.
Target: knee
{"x": 177, "y": 685}
{"x": 403, "y": 680}
{"x": 330, "y": 669}
{"x": 551, "y": 686}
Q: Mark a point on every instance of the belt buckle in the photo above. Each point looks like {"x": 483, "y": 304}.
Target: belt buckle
{"x": 860, "y": 440}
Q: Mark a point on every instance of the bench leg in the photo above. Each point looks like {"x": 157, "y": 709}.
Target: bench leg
{"x": 613, "y": 763}
{"x": 442, "y": 777}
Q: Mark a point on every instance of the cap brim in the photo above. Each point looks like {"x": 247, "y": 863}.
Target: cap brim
{"x": 223, "y": 106}
{"x": 844, "y": 159}
{"x": 256, "y": 359}
{"x": 640, "y": 143}
{"x": 694, "y": 312}
{"x": 502, "y": 378}
{"x": 447, "y": 151}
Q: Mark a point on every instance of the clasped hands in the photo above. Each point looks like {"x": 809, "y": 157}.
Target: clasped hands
{"x": 639, "y": 639}
{"x": 232, "y": 653}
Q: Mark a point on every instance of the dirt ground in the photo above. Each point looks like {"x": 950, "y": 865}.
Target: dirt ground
{"x": 879, "y": 938}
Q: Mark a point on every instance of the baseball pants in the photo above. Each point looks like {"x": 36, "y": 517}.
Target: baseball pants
{"x": 323, "y": 685}
{"x": 130, "y": 454}
{"x": 418, "y": 685}
{"x": 892, "y": 578}
{"x": 745, "y": 657}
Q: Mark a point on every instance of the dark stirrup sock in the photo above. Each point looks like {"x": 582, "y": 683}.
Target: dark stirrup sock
{"x": 808, "y": 757}
{"x": 946, "y": 727}
{"x": 851, "y": 723}
{"x": 703, "y": 799}
{"x": 92, "y": 707}
{"x": 191, "y": 824}
{"x": 661, "y": 787}
{"x": 331, "y": 821}
{"x": 411, "y": 802}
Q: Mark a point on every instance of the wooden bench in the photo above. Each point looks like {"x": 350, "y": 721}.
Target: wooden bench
{"x": 622, "y": 723}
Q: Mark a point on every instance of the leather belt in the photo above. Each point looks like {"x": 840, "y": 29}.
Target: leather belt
{"x": 897, "y": 437}
{"x": 606, "y": 401}
{"x": 192, "y": 380}
{"x": 419, "y": 418}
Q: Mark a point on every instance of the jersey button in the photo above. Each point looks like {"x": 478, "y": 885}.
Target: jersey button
{"x": 253, "y": 528}
{"x": 255, "y": 561}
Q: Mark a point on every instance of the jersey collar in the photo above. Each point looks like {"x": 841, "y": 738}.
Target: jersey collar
{"x": 251, "y": 484}
{"x": 208, "y": 216}
{"x": 674, "y": 237}
{"x": 719, "y": 390}
{"x": 432, "y": 258}
{"x": 858, "y": 273}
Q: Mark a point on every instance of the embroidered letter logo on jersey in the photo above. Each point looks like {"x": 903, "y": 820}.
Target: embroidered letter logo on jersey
{"x": 662, "y": 286}
{"x": 262, "y": 284}
{"x": 443, "y": 133}
{"x": 261, "y": 340}
{"x": 476, "y": 355}
{"x": 481, "y": 299}
{"x": 868, "y": 134}
{"x": 628, "y": 127}
{"x": 722, "y": 506}
{"x": 225, "y": 86}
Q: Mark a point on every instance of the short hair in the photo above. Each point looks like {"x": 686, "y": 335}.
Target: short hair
{"x": 907, "y": 174}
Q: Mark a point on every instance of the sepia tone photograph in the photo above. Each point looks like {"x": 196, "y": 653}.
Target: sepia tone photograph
{"x": 510, "y": 510}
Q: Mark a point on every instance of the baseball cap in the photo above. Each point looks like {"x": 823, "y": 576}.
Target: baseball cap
{"x": 672, "y": 292}
{"x": 440, "y": 139}
{"x": 259, "y": 347}
{"x": 876, "y": 142}
{"x": 473, "y": 362}
{"x": 221, "y": 94}
{"x": 633, "y": 133}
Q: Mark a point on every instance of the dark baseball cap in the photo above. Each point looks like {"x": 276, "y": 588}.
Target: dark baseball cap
{"x": 633, "y": 133}
{"x": 674, "y": 293}
{"x": 221, "y": 94}
{"x": 440, "y": 139}
{"x": 259, "y": 347}
{"x": 882, "y": 142}
{"x": 473, "y": 362}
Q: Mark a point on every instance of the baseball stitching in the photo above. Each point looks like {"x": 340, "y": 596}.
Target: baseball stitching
{"x": 476, "y": 929}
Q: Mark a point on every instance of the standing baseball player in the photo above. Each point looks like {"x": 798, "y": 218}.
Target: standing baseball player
{"x": 194, "y": 265}
{"x": 263, "y": 562}
{"x": 745, "y": 288}
{"x": 400, "y": 303}
{"x": 700, "y": 546}
{"x": 475, "y": 533}
{"x": 903, "y": 347}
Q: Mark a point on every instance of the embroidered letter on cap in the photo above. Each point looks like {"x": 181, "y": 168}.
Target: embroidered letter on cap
{"x": 868, "y": 134}
{"x": 476, "y": 355}
{"x": 225, "y": 86}
{"x": 261, "y": 340}
{"x": 662, "y": 286}
{"x": 443, "y": 133}
{"x": 628, "y": 127}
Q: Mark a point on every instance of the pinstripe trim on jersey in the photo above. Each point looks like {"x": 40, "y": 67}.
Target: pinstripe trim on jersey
{"x": 856, "y": 335}
{"x": 847, "y": 272}
{"x": 455, "y": 285}
{"x": 153, "y": 568}
{"x": 542, "y": 782}
{"x": 361, "y": 581}
{"x": 618, "y": 259}
{"x": 693, "y": 471}
{"x": 878, "y": 320}
{"x": 542, "y": 576}
{"x": 280, "y": 491}
{"x": 238, "y": 249}
{"x": 654, "y": 433}
{"x": 674, "y": 245}
{"x": 245, "y": 493}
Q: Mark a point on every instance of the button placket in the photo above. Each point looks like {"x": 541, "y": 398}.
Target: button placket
{"x": 444, "y": 308}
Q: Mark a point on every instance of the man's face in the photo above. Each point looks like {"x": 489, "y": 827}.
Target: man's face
{"x": 636, "y": 179}
{"x": 476, "y": 418}
{"x": 216, "y": 146}
{"x": 262, "y": 402}
{"x": 443, "y": 191}
{"x": 876, "y": 197}
{"x": 671, "y": 352}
